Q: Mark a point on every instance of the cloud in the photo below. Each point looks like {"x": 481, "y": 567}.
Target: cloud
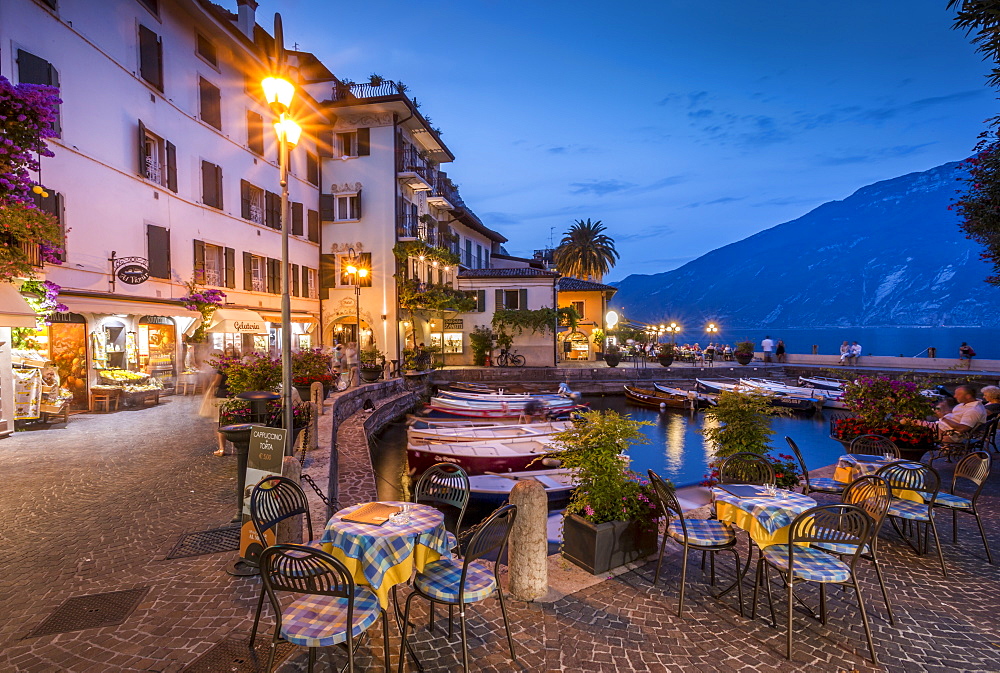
{"x": 785, "y": 201}
{"x": 600, "y": 187}
{"x": 715, "y": 202}
{"x": 646, "y": 232}
{"x": 883, "y": 113}
{"x": 499, "y": 219}
{"x": 894, "y": 152}
{"x": 569, "y": 149}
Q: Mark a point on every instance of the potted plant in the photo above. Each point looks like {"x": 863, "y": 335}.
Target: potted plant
{"x": 311, "y": 366}
{"x": 611, "y": 517}
{"x": 613, "y": 356}
{"x": 665, "y": 355}
{"x": 598, "y": 337}
{"x": 372, "y": 363}
{"x": 480, "y": 340}
{"x": 741, "y": 421}
{"x": 886, "y": 407}
{"x": 744, "y": 352}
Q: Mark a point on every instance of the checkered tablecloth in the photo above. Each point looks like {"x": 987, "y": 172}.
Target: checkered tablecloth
{"x": 771, "y": 512}
{"x": 379, "y": 548}
{"x": 850, "y": 467}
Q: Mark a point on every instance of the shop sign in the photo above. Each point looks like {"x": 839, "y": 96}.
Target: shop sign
{"x": 133, "y": 274}
{"x": 267, "y": 451}
{"x": 454, "y": 323}
{"x": 247, "y": 327}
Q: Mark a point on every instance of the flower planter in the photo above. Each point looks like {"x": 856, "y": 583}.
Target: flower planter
{"x": 912, "y": 452}
{"x": 665, "y": 360}
{"x": 371, "y": 374}
{"x": 598, "y": 548}
{"x": 744, "y": 358}
{"x": 612, "y": 359}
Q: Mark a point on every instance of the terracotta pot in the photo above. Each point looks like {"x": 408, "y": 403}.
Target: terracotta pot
{"x": 744, "y": 358}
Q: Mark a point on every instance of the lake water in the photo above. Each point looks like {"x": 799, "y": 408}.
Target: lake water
{"x": 892, "y": 341}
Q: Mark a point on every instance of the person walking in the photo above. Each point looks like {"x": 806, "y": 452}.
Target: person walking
{"x": 351, "y": 363}
{"x": 965, "y": 352}
{"x": 767, "y": 345}
{"x": 779, "y": 351}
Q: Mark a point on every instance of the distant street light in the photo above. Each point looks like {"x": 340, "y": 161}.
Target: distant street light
{"x": 357, "y": 273}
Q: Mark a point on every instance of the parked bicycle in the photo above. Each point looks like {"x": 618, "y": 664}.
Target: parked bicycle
{"x": 509, "y": 359}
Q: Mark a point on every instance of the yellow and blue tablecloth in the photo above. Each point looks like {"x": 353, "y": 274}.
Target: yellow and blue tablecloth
{"x": 766, "y": 517}
{"x": 384, "y": 556}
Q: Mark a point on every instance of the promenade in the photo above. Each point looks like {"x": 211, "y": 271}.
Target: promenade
{"x": 98, "y": 506}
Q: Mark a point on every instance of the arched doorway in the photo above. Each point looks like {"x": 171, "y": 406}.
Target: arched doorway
{"x": 344, "y": 329}
{"x": 575, "y": 346}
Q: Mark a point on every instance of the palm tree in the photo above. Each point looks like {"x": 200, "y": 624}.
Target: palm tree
{"x": 585, "y": 252}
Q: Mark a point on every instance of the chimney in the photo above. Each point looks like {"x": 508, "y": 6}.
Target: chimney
{"x": 246, "y": 16}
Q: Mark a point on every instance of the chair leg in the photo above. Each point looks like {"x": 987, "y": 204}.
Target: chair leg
{"x": 385, "y": 640}
{"x": 506, "y": 623}
{"x": 954, "y": 526}
{"x": 937, "y": 543}
{"x": 739, "y": 582}
{"x": 684, "y": 569}
{"x": 791, "y": 612}
{"x": 982, "y": 533}
{"x": 881, "y": 583}
{"x": 430, "y": 619}
{"x": 822, "y": 603}
{"x": 659, "y": 561}
{"x": 756, "y": 587}
{"x": 711, "y": 564}
{"x": 767, "y": 590}
{"x": 465, "y": 639}
{"x": 864, "y": 618}
{"x": 406, "y": 624}
{"x": 274, "y": 647}
{"x": 256, "y": 619}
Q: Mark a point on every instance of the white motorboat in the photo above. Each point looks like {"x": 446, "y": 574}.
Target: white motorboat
{"x": 498, "y": 455}
{"x": 823, "y": 382}
{"x": 831, "y": 398}
{"x": 479, "y": 433}
{"x": 494, "y": 489}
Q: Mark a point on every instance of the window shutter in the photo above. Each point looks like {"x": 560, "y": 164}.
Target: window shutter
{"x": 312, "y": 222}
{"x": 255, "y": 132}
{"x": 158, "y": 251}
{"x": 230, "y": 256}
{"x": 327, "y": 274}
{"x": 199, "y": 261}
{"x": 272, "y": 204}
{"x": 150, "y": 57}
{"x": 324, "y": 142}
{"x": 218, "y": 187}
{"x": 481, "y": 301}
{"x": 357, "y": 205}
{"x": 522, "y": 299}
{"x": 211, "y": 103}
{"x": 305, "y": 281}
{"x": 294, "y": 277}
{"x": 327, "y": 205}
{"x": 296, "y": 219}
{"x": 499, "y": 297}
{"x": 245, "y": 199}
{"x": 171, "y": 167}
{"x": 142, "y": 149}
{"x": 274, "y": 276}
{"x": 207, "y": 183}
{"x": 247, "y": 271}
{"x": 364, "y": 142}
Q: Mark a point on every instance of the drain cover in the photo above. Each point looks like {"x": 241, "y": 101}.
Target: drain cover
{"x": 91, "y": 612}
{"x": 233, "y": 656}
{"x": 207, "y": 542}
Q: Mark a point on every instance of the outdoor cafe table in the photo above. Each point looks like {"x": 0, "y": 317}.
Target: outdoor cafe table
{"x": 765, "y": 517}
{"x": 851, "y": 466}
{"x": 384, "y": 556}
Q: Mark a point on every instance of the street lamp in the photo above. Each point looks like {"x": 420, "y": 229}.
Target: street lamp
{"x": 712, "y": 328}
{"x": 674, "y": 329}
{"x": 278, "y": 92}
{"x": 357, "y": 273}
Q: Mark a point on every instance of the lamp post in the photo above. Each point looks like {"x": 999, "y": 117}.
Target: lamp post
{"x": 279, "y": 91}
{"x": 357, "y": 272}
{"x": 712, "y": 329}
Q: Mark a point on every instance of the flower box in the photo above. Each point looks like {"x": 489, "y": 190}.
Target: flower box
{"x": 597, "y": 548}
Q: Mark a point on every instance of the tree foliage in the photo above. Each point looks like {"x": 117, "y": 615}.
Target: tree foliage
{"x": 585, "y": 251}
{"x": 739, "y": 422}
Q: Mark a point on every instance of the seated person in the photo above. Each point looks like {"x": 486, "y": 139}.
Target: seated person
{"x": 958, "y": 417}
{"x": 991, "y": 399}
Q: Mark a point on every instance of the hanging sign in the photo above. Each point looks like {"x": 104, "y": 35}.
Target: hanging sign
{"x": 130, "y": 270}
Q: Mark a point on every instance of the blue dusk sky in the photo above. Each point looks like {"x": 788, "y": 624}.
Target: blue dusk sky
{"x": 682, "y": 125}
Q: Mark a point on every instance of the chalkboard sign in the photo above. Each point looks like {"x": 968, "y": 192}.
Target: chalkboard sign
{"x": 267, "y": 451}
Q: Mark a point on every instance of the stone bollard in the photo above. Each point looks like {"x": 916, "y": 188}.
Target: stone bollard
{"x": 815, "y": 349}
{"x": 527, "y": 565}
{"x": 290, "y": 530}
{"x": 316, "y": 395}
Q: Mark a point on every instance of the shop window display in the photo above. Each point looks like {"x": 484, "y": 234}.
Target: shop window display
{"x": 63, "y": 345}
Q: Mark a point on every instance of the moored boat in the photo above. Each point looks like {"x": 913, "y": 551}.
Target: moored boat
{"x": 823, "y": 382}
{"x": 799, "y": 403}
{"x": 499, "y": 455}
{"x": 417, "y": 435}
{"x": 495, "y": 409}
{"x": 657, "y": 398}
{"x": 831, "y": 398}
{"x": 496, "y": 397}
{"x": 704, "y": 400}
{"x": 494, "y": 489}
{"x": 525, "y": 388}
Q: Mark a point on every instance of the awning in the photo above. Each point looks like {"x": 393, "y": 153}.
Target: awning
{"x": 237, "y": 321}
{"x": 111, "y": 306}
{"x": 14, "y": 310}
{"x": 296, "y": 317}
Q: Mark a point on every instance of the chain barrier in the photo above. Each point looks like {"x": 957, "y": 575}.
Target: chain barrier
{"x": 326, "y": 501}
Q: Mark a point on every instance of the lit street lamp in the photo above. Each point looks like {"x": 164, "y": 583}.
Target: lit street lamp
{"x": 357, "y": 273}
{"x": 279, "y": 91}
{"x": 712, "y": 329}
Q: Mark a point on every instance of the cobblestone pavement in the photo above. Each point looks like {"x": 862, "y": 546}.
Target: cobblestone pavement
{"x": 97, "y": 506}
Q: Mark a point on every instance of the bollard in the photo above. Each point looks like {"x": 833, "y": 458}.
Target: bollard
{"x": 312, "y": 430}
{"x": 527, "y": 565}
{"x": 815, "y": 349}
{"x": 317, "y": 394}
{"x": 289, "y": 531}
{"x": 932, "y": 352}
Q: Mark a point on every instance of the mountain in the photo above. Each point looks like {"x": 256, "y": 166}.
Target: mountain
{"x": 889, "y": 254}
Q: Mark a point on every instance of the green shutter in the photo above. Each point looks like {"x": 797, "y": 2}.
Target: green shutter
{"x": 142, "y": 149}
{"x": 296, "y": 219}
{"x": 499, "y": 296}
{"x": 230, "y": 256}
{"x": 247, "y": 271}
{"x": 199, "y": 261}
{"x": 522, "y": 299}
{"x": 171, "y": 167}
{"x": 293, "y": 275}
{"x": 364, "y": 142}
{"x": 481, "y": 301}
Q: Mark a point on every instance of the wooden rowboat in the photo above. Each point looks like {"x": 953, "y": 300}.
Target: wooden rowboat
{"x": 657, "y": 398}
{"x": 499, "y": 455}
{"x": 416, "y": 435}
{"x": 494, "y": 489}
{"x": 472, "y": 409}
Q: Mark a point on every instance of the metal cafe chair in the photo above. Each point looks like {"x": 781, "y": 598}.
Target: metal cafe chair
{"x": 814, "y": 484}
{"x": 746, "y": 468}
{"x": 445, "y": 486}
{"x": 272, "y": 500}
{"x": 329, "y": 608}
{"x": 873, "y": 445}
{"x": 458, "y": 583}
{"x": 924, "y": 481}
{"x": 827, "y": 524}
{"x": 974, "y": 468}
{"x": 978, "y": 439}
{"x": 705, "y": 535}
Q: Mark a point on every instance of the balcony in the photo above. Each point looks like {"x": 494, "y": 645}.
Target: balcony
{"x": 154, "y": 171}
{"x": 443, "y": 193}
{"x": 365, "y": 90}
{"x": 257, "y": 214}
{"x": 412, "y": 229}
{"x": 413, "y": 170}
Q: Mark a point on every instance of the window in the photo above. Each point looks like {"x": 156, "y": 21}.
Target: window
{"x": 53, "y": 205}
{"x": 312, "y": 168}
{"x": 274, "y": 276}
{"x": 512, "y": 299}
{"x": 251, "y": 202}
{"x": 34, "y": 70}
{"x": 486, "y": 259}
{"x": 578, "y": 307}
{"x": 364, "y": 261}
{"x": 211, "y": 185}
{"x": 151, "y": 5}
{"x": 151, "y": 58}
{"x": 254, "y": 269}
{"x": 272, "y": 210}
{"x": 479, "y": 256}
{"x": 211, "y": 103}
{"x": 353, "y": 143}
{"x": 311, "y": 285}
{"x": 255, "y": 133}
{"x": 312, "y": 226}
{"x": 348, "y": 207}
{"x": 214, "y": 264}
{"x": 297, "y": 213}
{"x": 480, "y": 297}
{"x": 293, "y": 276}
{"x": 452, "y": 341}
{"x": 157, "y": 159}
{"x": 468, "y": 253}
{"x": 207, "y": 50}
{"x": 158, "y": 251}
